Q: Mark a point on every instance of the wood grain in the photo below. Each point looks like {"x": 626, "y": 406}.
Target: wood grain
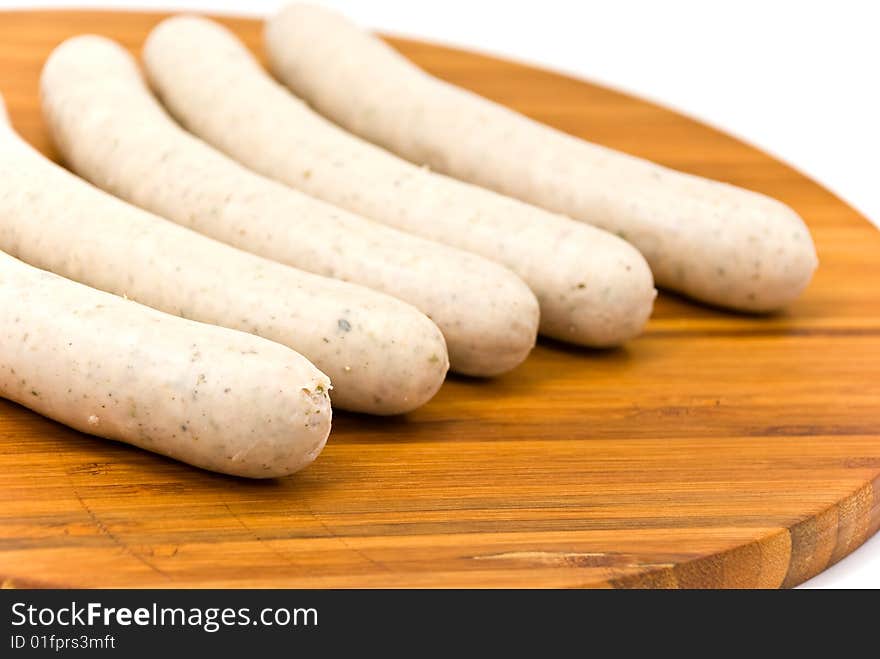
{"x": 716, "y": 450}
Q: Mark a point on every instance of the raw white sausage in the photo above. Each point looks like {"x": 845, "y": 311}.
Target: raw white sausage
{"x": 593, "y": 288}
{"x": 709, "y": 240}
{"x": 383, "y": 356}
{"x": 112, "y": 131}
{"x": 209, "y": 396}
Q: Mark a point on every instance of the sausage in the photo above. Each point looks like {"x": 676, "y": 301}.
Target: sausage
{"x": 111, "y": 130}
{"x": 212, "y": 397}
{"x": 384, "y": 356}
{"x": 593, "y": 288}
{"x": 711, "y": 241}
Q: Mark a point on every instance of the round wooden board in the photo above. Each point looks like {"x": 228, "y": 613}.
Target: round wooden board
{"x": 715, "y": 450}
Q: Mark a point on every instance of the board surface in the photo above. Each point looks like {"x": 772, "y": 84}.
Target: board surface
{"x": 715, "y": 450}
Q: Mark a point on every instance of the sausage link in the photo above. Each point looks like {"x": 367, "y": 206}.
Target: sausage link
{"x": 593, "y": 288}
{"x": 706, "y": 239}
{"x": 209, "y": 396}
{"x": 383, "y": 356}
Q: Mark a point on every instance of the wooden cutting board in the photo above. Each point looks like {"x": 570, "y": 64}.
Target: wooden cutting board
{"x": 715, "y": 450}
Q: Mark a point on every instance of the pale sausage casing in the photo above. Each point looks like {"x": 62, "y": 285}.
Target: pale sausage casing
{"x": 212, "y": 397}
{"x": 383, "y": 356}
{"x": 712, "y": 241}
{"x": 593, "y": 288}
{"x": 112, "y": 131}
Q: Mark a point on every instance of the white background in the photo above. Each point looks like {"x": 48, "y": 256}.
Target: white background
{"x": 800, "y": 79}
